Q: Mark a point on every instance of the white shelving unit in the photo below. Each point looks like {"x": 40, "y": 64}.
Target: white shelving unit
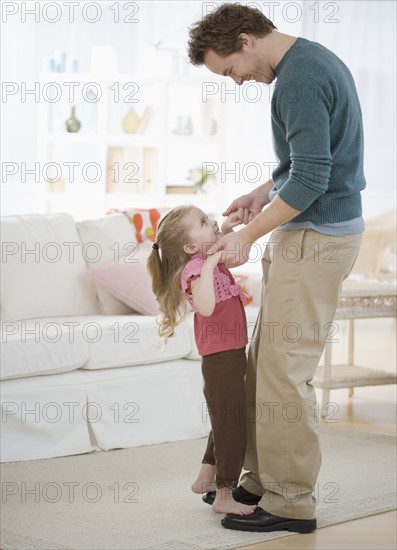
{"x": 103, "y": 166}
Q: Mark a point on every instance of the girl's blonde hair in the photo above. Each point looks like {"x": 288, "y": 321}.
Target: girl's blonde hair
{"x": 165, "y": 264}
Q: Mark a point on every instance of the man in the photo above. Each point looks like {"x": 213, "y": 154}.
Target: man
{"x": 313, "y": 203}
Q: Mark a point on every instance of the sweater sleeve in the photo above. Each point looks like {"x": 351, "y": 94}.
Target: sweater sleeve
{"x": 191, "y": 270}
{"x": 301, "y": 117}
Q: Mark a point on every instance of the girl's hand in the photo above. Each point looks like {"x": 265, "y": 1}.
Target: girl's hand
{"x": 231, "y": 221}
{"x": 203, "y": 291}
{"x": 213, "y": 260}
{"x": 234, "y": 248}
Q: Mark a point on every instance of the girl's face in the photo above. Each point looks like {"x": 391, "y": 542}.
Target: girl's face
{"x": 202, "y": 231}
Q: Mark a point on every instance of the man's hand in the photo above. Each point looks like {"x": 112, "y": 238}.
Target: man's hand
{"x": 248, "y": 206}
{"x": 234, "y": 248}
{"x": 231, "y": 221}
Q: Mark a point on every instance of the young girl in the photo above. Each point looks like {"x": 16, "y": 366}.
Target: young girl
{"x": 180, "y": 271}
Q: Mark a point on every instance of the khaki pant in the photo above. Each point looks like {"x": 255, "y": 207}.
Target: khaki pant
{"x": 303, "y": 271}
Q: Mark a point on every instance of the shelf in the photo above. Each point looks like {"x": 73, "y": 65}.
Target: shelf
{"x": 191, "y": 139}
{"x": 120, "y": 140}
{"x": 60, "y": 137}
{"x": 72, "y": 189}
{"x": 187, "y": 80}
{"x": 116, "y": 140}
{"x": 352, "y": 376}
{"x": 131, "y": 167}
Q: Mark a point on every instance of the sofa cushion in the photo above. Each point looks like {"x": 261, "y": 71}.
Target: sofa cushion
{"x": 113, "y": 237}
{"x": 43, "y": 270}
{"x": 127, "y": 340}
{"x": 129, "y": 280}
{"x": 40, "y": 346}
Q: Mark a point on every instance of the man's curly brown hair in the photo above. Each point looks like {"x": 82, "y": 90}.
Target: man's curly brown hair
{"x": 219, "y": 31}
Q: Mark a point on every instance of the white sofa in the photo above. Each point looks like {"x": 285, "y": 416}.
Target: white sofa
{"x": 81, "y": 371}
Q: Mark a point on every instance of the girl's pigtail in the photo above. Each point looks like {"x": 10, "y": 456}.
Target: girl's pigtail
{"x": 165, "y": 263}
{"x": 155, "y": 269}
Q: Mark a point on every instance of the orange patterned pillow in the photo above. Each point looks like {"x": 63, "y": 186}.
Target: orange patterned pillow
{"x": 241, "y": 280}
{"x": 144, "y": 221}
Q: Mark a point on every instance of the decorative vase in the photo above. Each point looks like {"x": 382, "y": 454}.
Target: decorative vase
{"x": 131, "y": 122}
{"x": 213, "y": 127}
{"x": 184, "y": 126}
{"x": 72, "y": 124}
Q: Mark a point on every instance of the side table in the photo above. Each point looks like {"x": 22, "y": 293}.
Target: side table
{"x": 360, "y": 299}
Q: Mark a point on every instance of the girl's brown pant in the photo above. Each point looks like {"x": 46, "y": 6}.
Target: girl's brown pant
{"x": 224, "y": 391}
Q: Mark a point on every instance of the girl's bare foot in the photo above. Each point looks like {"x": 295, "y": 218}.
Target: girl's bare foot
{"x": 224, "y": 503}
{"x": 205, "y": 481}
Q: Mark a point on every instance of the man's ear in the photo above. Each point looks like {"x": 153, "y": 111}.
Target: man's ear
{"x": 246, "y": 39}
{"x": 190, "y": 248}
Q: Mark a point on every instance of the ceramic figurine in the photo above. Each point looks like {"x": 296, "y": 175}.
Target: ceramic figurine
{"x": 131, "y": 122}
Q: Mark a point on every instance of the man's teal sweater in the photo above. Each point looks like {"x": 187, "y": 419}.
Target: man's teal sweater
{"x": 318, "y": 135}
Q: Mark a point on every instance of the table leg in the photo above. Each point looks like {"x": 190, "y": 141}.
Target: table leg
{"x": 327, "y": 378}
{"x": 350, "y": 350}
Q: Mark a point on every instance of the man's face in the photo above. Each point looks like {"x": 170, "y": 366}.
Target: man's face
{"x": 241, "y": 66}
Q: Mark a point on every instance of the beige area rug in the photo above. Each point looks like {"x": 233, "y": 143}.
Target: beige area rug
{"x": 140, "y": 498}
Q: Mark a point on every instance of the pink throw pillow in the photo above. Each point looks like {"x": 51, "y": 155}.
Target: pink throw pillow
{"x": 129, "y": 281}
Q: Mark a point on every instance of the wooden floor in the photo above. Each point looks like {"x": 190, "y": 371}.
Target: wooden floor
{"x": 371, "y": 409}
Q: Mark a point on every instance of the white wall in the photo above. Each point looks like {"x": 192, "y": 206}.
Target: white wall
{"x": 361, "y": 32}
{"x": 365, "y": 38}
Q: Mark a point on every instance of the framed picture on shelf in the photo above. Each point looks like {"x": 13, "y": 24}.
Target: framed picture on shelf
{"x": 122, "y": 170}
